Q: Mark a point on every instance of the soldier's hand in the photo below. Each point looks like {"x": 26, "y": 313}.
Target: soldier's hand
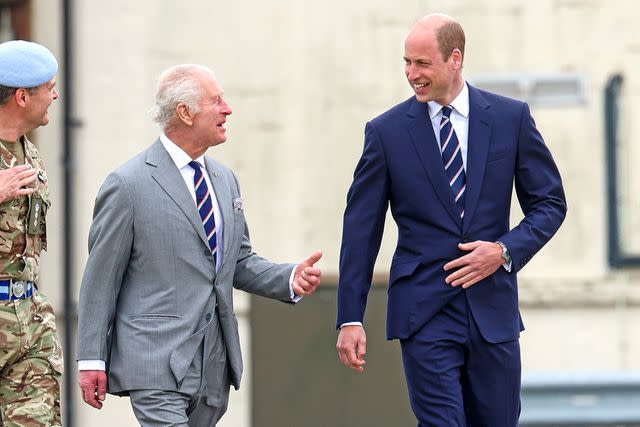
{"x": 307, "y": 277}
{"x": 13, "y": 182}
{"x": 93, "y": 387}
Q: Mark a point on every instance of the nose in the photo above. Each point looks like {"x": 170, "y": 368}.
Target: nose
{"x": 226, "y": 108}
{"x": 56, "y": 95}
{"x": 409, "y": 70}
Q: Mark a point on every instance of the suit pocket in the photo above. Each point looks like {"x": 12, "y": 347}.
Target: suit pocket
{"x": 401, "y": 269}
{"x": 153, "y": 316}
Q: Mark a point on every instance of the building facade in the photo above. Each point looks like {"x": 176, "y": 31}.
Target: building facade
{"x": 302, "y": 79}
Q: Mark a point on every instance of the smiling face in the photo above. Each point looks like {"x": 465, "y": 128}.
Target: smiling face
{"x": 432, "y": 77}
{"x": 209, "y": 123}
{"x": 38, "y": 102}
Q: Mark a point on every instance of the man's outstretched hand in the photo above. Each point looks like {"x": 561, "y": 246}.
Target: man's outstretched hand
{"x": 306, "y": 277}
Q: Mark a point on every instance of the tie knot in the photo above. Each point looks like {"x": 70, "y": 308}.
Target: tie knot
{"x": 194, "y": 165}
{"x": 446, "y": 111}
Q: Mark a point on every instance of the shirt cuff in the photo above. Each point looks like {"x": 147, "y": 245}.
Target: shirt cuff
{"x": 294, "y": 298}
{"x": 351, "y": 324}
{"x": 91, "y": 365}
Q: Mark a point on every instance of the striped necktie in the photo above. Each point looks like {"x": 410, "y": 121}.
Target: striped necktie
{"x": 205, "y": 207}
{"x": 452, "y": 159}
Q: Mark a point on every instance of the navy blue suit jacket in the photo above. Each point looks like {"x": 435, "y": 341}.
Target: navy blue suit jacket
{"x": 401, "y": 166}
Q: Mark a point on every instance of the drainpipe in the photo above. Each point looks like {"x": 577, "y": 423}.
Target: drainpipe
{"x": 68, "y": 210}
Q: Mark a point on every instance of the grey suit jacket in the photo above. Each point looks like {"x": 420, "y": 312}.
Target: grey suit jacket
{"x": 150, "y": 288}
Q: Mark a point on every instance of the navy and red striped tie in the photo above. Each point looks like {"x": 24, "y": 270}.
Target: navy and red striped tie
{"x": 205, "y": 207}
{"x": 452, "y": 159}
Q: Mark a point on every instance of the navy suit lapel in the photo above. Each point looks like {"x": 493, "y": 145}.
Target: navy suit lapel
{"x": 477, "y": 149}
{"x": 169, "y": 178}
{"x": 426, "y": 145}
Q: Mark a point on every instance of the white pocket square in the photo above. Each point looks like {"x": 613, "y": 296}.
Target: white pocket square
{"x": 238, "y": 205}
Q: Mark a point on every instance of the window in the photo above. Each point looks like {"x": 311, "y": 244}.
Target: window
{"x": 623, "y": 176}
{"x": 548, "y": 90}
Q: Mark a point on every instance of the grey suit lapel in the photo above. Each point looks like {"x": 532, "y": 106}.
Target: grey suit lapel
{"x": 223, "y": 196}
{"x": 169, "y": 178}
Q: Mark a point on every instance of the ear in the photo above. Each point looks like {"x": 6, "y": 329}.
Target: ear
{"x": 456, "y": 57}
{"x": 21, "y": 96}
{"x": 183, "y": 113}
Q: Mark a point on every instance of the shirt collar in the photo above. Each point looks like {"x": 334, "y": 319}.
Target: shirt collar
{"x": 177, "y": 154}
{"x": 460, "y": 104}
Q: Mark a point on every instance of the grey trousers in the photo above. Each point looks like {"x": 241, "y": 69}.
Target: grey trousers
{"x": 201, "y": 400}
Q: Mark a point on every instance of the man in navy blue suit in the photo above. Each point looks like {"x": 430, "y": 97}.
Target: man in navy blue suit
{"x": 445, "y": 161}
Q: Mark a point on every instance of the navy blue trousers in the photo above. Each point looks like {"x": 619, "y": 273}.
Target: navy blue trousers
{"x": 456, "y": 378}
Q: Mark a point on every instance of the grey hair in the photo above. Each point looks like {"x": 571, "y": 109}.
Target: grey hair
{"x": 178, "y": 84}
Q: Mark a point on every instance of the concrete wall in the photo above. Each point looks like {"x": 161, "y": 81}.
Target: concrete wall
{"x": 303, "y": 78}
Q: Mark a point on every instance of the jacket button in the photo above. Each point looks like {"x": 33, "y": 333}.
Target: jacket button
{"x": 208, "y": 316}
{"x": 207, "y": 252}
{"x": 465, "y": 238}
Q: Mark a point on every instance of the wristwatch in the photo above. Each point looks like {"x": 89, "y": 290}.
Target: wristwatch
{"x": 505, "y": 252}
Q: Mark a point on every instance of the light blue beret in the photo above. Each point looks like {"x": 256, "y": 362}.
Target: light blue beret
{"x": 25, "y": 64}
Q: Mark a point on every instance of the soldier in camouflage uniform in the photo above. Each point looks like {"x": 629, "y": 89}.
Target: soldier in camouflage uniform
{"x": 30, "y": 352}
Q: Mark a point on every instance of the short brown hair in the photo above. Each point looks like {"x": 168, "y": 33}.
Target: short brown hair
{"x": 7, "y": 92}
{"x": 450, "y": 36}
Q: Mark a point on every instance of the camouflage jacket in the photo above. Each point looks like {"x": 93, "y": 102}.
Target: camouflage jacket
{"x": 19, "y": 250}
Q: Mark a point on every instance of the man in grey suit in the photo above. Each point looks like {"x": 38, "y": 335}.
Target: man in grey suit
{"x": 167, "y": 246}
